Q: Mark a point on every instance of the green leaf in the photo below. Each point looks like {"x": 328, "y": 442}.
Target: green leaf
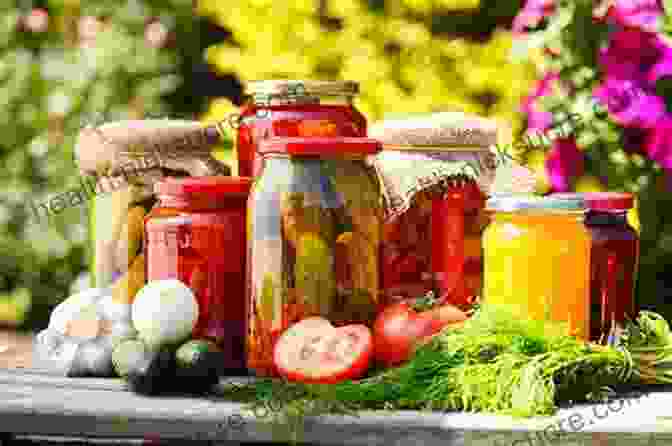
{"x": 521, "y": 47}
{"x": 667, "y": 7}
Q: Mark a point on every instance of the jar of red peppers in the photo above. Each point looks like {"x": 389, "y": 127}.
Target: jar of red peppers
{"x": 613, "y": 261}
{"x": 196, "y": 234}
{"x": 436, "y": 170}
{"x": 315, "y": 225}
{"x": 279, "y": 108}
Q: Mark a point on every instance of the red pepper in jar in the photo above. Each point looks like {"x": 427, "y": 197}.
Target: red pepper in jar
{"x": 196, "y": 234}
{"x": 278, "y": 108}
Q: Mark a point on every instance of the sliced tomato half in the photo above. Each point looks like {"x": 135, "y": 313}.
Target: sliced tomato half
{"x": 314, "y": 351}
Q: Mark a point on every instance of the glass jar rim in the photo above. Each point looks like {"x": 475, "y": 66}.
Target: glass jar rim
{"x": 602, "y": 201}
{"x": 205, "y": 187}
{"x": 535, "y": 204}
{"x": 286, "y": 88}
{"x": 327, "y": 146}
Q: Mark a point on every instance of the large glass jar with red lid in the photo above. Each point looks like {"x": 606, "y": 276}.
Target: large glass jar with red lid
{"x": 315, "y": 224}
{"x": 196, "y": 234}
{"x": 613, "y": 261}
{"x": 280, "y": 108}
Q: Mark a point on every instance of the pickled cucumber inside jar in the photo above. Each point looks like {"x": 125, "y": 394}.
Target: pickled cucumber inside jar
{"x": 324, "y": 238}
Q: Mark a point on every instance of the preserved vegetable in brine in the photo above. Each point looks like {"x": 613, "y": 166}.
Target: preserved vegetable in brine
{"x": 315, "y": 225}
{"x": 295, "y": 109}
{"x": 196, "y": 234}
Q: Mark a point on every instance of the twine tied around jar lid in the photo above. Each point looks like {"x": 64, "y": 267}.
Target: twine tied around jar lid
{"x": 431, "y": 152}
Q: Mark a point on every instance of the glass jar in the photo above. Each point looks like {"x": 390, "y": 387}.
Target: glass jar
{"x": 196, "y": 234}
{"x": 280, "y": 108}
{"x": 537, "y": 259}
{"x": 436, "y": 245}
{"x": 613, "y": 261}
{"x": 436, "y": 169}
{"x": 315, "y": 224}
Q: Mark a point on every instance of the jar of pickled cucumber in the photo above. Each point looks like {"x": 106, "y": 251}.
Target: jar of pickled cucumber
{"x": 537, "y": 259}
{"x": 315, "y": 219}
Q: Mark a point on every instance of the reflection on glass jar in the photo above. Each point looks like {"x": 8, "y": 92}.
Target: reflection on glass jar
{"x": 315, "y": 224}
{"x": 196, "y": 234}
{"x": 537, "y": 260}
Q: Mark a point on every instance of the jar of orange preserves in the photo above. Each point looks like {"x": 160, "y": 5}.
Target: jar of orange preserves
{"x": 537, "y": 259}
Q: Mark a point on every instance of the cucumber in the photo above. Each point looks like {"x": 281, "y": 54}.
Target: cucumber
{"x": 127, "y": 353}
{"x": 199, "y": 365}
{"x": 153, "y": 373}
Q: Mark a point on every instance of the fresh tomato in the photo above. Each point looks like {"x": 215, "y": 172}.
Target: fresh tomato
{"x": 399, "y": 328}
{"x": 314, "y": 351}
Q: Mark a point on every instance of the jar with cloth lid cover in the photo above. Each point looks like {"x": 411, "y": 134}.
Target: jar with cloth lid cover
{"x": 436, "y": 171}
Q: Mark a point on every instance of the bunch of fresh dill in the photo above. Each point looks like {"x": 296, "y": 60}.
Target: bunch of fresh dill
{"x": 494, "y": 363}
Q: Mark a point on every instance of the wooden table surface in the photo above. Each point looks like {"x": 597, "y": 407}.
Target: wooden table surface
{"x": 35, "y": 406}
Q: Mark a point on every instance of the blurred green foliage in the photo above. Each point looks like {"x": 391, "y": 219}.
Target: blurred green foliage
{"x": 62, "y": 65}
{"x": 408, "y": 55}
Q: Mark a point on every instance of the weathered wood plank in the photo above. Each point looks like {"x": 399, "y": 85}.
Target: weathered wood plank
{"x": 36, "y": 404}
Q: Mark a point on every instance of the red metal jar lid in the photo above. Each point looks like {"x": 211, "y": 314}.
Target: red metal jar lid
{"x": 214, "y": 186}
{"x": 320, "y": 146}
{"x": 609, "y": 201}
{"x": 602, "y": 201}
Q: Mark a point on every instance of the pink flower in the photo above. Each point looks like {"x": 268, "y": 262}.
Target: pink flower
{"x": 658, "y": 144}
{"x": 156, "y": 34}
{"x": 640, "y": 14}
{"x": 532, "y": 14}
{"x": 662, "y": 68}
{"x": 37, "y": 21}
{"x": 564, "y": 164}
{"x": 89, "y": 27}
{"x": 631, "y": 53}
{"x": 629, "y": 103}
{"x": 537, "y": 119}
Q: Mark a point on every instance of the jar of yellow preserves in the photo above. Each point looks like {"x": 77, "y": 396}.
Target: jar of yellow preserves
{"x": 537, "y": 259}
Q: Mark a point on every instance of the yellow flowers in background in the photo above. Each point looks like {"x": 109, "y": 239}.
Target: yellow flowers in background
{"x": 401, "y": 65}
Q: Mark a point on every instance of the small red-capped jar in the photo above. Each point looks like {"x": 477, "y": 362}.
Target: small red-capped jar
{"x": 196, "y": 234}
{"x": 614, "y": 260}
{"x": 315, "y": 232}
{"x": 290, "y": 108}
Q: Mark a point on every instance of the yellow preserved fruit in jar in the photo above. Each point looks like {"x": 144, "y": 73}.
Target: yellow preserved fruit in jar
{"x": 537, "y": 260}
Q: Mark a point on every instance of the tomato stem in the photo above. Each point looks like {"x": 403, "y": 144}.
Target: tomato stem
{"x": 424, "y": 303}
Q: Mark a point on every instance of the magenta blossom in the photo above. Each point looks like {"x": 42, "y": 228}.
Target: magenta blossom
{"x": 662, "y": 68}
{"x": 645, "y": 15}
{"x": 564, "y": 164}
{"x": 658, "y": 144}
{"x": 537, "y": 119}
{"x": 629, "y": 103}
{"x": 631, "y": 53}
{"x": 532, "y": 14}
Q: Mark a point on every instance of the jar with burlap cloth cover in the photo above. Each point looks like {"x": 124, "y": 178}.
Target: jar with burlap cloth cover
{"x": 126, "y": 158}
{"x": 437, "y": 171}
